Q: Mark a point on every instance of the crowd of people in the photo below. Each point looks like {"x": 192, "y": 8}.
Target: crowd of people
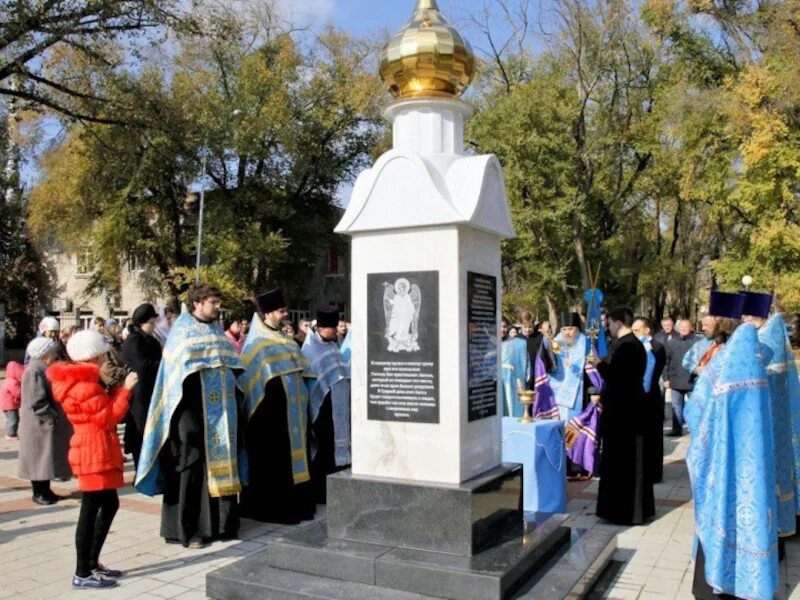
{"x": 736, "y": 387}
{"x": 245, "y": 420}
{"x": 249, "y": 419}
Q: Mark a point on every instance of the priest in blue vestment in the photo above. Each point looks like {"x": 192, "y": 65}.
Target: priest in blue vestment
{"x": 328, "y": 401}
{"x": 276, "y": 408}
{"x": 772, "y": 335}
{"x": 571, "y": 382}
{"x": 575, "y": 380}
{"x": 784, "y": 382}
{"x": 731, "y": 464}
{"x": 191, "y": 448}
{"x": 516, "y": 373}
{"x": 692, "y": 358}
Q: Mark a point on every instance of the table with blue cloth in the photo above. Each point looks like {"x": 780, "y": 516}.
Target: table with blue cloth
{"x": 539, "y": 446}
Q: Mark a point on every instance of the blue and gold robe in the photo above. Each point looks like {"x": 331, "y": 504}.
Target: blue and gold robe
{"x": 267, "y": 354}
{"x": 196, "y": 347}
{"x": 731, "y": 465}
{"x": 332, "y": 375}
{"x": 784, "y": 389}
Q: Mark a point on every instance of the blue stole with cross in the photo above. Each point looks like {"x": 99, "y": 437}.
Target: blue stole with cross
{"x": 332, "y": 375}
{"x": 567, "y": 380}
{"x": 267, "y": 354}
{"x": 196, "y": 347}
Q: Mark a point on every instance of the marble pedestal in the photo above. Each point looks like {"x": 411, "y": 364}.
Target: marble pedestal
{"x": 400, "y": 540}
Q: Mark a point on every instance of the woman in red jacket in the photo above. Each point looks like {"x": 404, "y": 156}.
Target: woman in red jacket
{"x": 94, "y": 455}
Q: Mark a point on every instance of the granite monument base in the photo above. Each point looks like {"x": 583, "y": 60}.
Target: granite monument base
{"x": 454, "y": 519}
{"x": 396, "y": 540}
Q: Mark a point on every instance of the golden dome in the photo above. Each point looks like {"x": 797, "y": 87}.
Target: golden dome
{"x": 427, "y": 57}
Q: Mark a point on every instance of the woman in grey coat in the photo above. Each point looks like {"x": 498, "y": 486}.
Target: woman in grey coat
{"x": 44, "y": 431}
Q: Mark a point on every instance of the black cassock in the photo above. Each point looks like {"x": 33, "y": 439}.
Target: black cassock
{"x": 188, "y": 511}
{"x": 272, "y": 495}
{"x": 324, "y": 462}
{"x": 625, "y": 496}
{"x": 140, "y": 353}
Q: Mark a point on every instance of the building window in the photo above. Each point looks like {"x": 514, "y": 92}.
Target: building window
{"x": 84, "y": 261}
{"x": 135, "y": 262}
{"x": 332, "y": 261}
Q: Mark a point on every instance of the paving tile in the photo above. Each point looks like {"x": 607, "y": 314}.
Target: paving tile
{"x": 656, "y": 558}
{"x": 168, "y": 590}
{"x": 623, "y": 594}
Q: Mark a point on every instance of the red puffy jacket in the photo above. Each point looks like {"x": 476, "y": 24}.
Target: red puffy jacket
{"x": 94, "y": 454}
{"x": 10, "y": 395}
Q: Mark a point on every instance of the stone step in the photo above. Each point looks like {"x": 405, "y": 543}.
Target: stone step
{"x": 251, "y": 579}
{"x": 569, "y": 574}
{"x": 313, "y": 552}
{"x": 572, "y": 573}
{"x": 493, "y": 574}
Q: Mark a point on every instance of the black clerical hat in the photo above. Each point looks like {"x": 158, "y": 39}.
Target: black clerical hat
{"x": 756, "y": 304}
{"x": 269, "y": 301}
{"x": 726, "y": 304}
{"x": 570, "y": 319}
{"x": 327, "y": 316}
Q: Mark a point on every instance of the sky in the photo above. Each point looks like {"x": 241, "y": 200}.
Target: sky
{"x": 367, "y": 16}
{"x": 360, "y": 17}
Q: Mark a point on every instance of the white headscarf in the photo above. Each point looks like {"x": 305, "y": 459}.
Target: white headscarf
{"x": 41, "y": 347}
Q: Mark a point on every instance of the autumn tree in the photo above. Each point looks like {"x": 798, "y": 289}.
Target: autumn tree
{"x": 280, "y": 128}
{"x": 37, "y": 36}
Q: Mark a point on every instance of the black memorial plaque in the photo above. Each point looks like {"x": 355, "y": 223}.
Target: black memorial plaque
{"x": 481, "y": 346}
{"x": 403, "y": 346}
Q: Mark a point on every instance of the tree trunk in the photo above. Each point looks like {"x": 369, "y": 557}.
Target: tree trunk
{"x": 11, "y": 169}
{"x": 580, "y": 253}
{"x": 552, "y": 311}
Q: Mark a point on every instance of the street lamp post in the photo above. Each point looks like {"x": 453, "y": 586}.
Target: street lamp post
{"x": 200, "y": 218}
{"x": 233, "y": 116}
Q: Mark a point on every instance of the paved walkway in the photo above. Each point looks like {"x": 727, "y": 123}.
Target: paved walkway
{"x": 37, "y": 553}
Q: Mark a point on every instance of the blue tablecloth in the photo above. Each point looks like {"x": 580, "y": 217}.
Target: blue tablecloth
{"x": 539, "y": 446}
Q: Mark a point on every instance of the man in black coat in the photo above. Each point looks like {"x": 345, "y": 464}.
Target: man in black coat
{"x": 141, "y": 353}
{"x": 677, "y": 379}
{"x": 625, "y": 495}
{"x": 667, "y": 332}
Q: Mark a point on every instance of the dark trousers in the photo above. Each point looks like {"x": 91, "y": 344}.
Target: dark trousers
{"x": 97, "y": 513}
{"x": 678, "y": 400}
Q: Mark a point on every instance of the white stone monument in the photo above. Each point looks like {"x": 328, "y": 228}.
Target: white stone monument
{"x": 428, "y": 510}
{"x": 425, "y": 206}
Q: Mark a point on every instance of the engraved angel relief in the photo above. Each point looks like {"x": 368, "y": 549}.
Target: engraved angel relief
{"x": 401, "y": 303}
